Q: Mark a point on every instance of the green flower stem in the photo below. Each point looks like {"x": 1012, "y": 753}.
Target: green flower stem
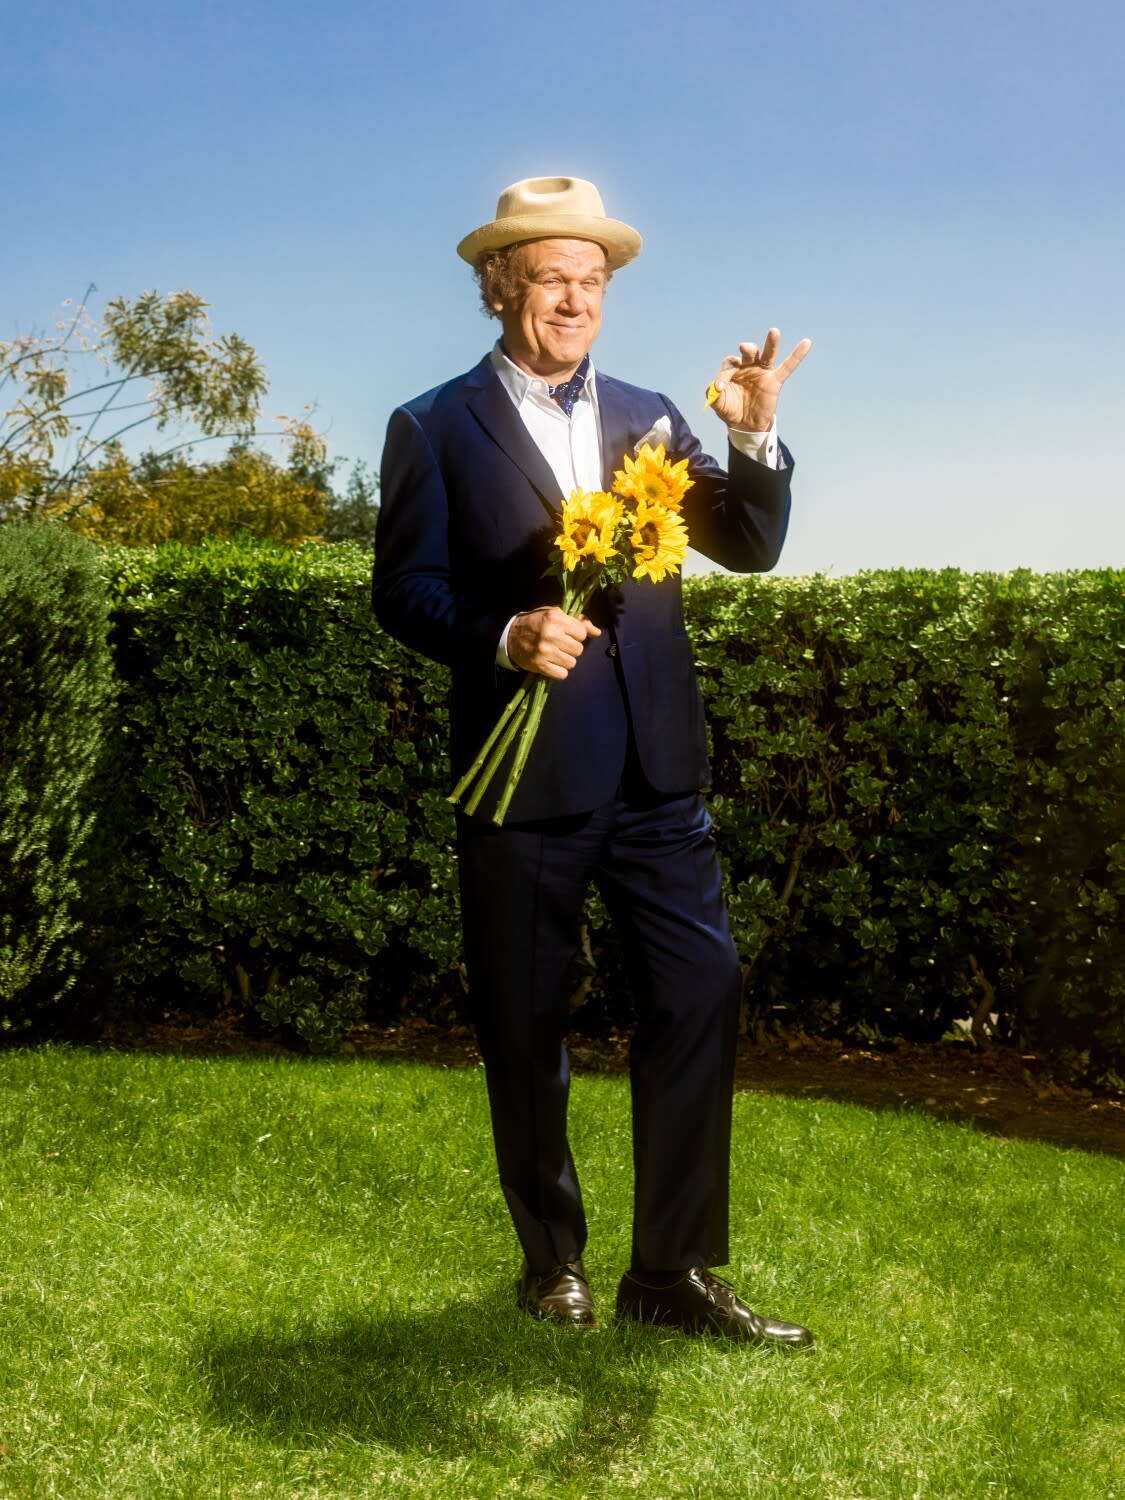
{"x": 516, "y": 701}
{"x": 576, "y": 598}
{"x": 527, "y": 737}
{"x": 500, "y": 749}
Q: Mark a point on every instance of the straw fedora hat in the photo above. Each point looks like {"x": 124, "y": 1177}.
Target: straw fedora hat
{"x": 541, "y": 208}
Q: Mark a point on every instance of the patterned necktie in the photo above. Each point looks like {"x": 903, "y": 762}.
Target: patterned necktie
{"x": 569, "y": 391}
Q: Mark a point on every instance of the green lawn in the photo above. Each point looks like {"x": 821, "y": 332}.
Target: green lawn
{"x": 279, "y": 1278}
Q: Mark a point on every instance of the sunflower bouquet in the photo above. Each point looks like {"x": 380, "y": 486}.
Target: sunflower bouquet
{"x": 605, "y": 537}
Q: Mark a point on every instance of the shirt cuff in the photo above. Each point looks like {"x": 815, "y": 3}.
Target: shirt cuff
{"x": 762, "y": 447}
{"x": 502, "y": 657}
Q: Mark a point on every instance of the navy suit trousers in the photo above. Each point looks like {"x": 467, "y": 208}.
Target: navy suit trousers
{"x": 523, "y": 886}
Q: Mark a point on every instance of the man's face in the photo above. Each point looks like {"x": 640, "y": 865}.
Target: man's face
{"x": 553, "y": 317}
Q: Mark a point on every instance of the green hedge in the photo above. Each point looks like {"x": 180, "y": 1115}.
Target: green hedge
{"x": 290, "y": 844}
{"x": 56, "y": 685}
{"x": 919, "y": 792}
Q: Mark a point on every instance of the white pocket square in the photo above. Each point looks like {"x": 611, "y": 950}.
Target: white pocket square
{"x": 659, "y": 432}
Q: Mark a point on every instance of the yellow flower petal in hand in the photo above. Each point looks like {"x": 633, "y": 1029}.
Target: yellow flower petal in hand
{"x": 713, "y": 394}
{"x": 659, "y": 541}
{"x": 651, "y": 478}
{"x": 589, "y": 521}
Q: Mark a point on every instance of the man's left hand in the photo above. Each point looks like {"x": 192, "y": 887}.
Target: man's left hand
{"x": 749, "y": 385}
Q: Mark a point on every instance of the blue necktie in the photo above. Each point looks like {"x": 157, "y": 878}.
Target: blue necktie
{"x": 569, "y": 391}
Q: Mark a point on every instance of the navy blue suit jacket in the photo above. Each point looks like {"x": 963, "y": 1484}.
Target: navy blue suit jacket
{"x": 468, "y": 511}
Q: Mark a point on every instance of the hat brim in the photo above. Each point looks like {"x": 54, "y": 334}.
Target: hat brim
{"x": 620, "y": 242}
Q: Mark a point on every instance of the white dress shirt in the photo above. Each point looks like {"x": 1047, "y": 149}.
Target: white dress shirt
{"x": 572, "y": 445}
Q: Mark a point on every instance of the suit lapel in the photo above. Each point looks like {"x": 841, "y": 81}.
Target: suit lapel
{"x": 491, "y": 405}
{"x": 616, "y": 426}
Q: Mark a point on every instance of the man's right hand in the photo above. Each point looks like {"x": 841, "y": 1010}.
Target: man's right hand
{"x": 548, "y": 641}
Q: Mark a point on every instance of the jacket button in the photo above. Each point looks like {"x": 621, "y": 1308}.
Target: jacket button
{"x": 612, "y": 650}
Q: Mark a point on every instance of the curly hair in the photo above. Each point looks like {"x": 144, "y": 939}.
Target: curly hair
{"x": 497, "y": 276}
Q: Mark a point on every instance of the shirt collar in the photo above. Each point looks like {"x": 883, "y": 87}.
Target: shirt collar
{"x": 519, "y": 384}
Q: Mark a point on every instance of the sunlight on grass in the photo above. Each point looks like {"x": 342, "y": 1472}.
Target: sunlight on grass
{"x": 295, "y": 1278}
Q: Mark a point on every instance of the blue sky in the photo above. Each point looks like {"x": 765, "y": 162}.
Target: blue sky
{"x": 933, "y": 195}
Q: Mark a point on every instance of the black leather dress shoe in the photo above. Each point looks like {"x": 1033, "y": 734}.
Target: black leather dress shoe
{"x": 561, "y": 1294}
{"x": 701, "y": 1303}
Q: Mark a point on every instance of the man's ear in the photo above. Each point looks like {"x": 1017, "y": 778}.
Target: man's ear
{"x": 495, "y": 298}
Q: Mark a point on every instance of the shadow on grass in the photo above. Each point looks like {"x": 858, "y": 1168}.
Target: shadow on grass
{"x": 459, "y": 1381}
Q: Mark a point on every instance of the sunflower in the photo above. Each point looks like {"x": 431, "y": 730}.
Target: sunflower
{"x": 659, "y": 541}
{"x": 650, "y": 477}
{"x": 589, "y": 522}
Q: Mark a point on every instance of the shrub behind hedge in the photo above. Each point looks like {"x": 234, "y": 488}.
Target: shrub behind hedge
{"x": 56, "y": 687}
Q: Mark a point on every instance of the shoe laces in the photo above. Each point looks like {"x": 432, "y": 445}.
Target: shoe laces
{"x": 716, "y": 1284}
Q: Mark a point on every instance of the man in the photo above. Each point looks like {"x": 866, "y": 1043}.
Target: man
{"x": 474, "y": 473}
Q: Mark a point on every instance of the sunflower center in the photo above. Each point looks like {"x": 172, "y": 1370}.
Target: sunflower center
{"x": 651, "y": 533}
{"x": 581, "y": 532}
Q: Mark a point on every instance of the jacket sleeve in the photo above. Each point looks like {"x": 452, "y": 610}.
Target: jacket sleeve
{"x": 738, "y": 517}
{"x": 413, "y": 591}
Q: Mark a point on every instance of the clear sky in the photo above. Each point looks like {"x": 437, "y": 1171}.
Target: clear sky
{"x": 935, "y": 195}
